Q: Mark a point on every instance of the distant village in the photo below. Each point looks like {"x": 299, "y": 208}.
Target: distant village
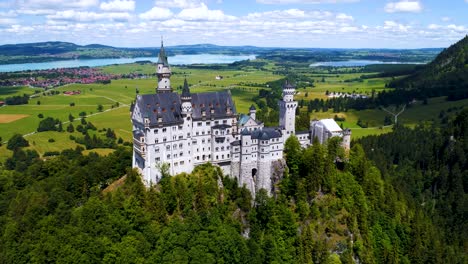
{"x": 62, "y": 76}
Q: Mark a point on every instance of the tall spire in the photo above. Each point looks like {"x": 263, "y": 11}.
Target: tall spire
{"x": 162, "y": 58}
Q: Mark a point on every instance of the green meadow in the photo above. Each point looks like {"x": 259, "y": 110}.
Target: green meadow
{"x": 117, "y": 96}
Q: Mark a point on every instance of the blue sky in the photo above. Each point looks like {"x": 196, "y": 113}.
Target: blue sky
{"x": 269, "y": 23}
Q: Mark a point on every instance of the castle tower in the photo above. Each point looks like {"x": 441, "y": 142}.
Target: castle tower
{"x": 252, "y": 112}
{"x": 186, "y": 99}
{"x": 287, "y": 106}
{"x": 346, "y": 139}
{"x": 163, "y": 72}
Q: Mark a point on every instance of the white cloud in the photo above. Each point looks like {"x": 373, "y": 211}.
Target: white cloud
{"x": 37, "y": 12}
{"x": 395, "y": 27}
{"x": 446, "y": 19}
{"x": 202, "y": 13}
{"x": 56, "y": 4}
{"x": 179, "y": 3}
{"x": 342, "y": 16}
{"x": 408, "y": 6}
{"x": 84, "y": 16}
{"x": 284, "y": 2}
{"x": 118, "y": 5}
{"x": 7, "y": 21}
{"x": 157, "y": 13}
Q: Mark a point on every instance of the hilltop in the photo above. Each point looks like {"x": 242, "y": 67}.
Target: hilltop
{"x": 446, "y": 75}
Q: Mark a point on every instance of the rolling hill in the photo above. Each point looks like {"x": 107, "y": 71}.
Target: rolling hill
{"x": 446, "y": 75}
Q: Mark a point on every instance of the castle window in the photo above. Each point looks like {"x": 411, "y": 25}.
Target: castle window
{"x": 155, "y": 131}
{"x": 174, "y": 146}
{"x": 180, "y": 137}
{"x": 164, "y": 139}
{"x": 217, "y": 149}
{"x": 168, "y": 156}
{"x": 157, "y": 159}
{"x": 216, "y": 122}
{"x": 188, "y": 134}
{"x": 156, "y": 150}
{"x": 181, "y": 154}
{"x": 203, "y": 141}
{"x": 222, "y": 156}
{"x": 222, "y": 148}
{"x": 217, "y": 157}
{"x": 168, "y": 147}
{"x": 175, "y": 155}
{"x": 203, "y": 132}
{"x": 182, "y": 162}
{"x": 207, "y": 123}
{"x": 156, "y": 141}
{"x": 209, "y": 140}
{"x": 224, "y": 121}
{"x": 176, "y": 164}
{"x": 199, "y": 124}
{"x": 228, "y": 155}
{"x": 197, "y": 133}
{"x": 164, "y": 129}
{"x": 180, "y": 145}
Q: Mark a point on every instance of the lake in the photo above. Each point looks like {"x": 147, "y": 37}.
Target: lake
{"x": 173, "y": 60}
{"x": 356, "y": 63}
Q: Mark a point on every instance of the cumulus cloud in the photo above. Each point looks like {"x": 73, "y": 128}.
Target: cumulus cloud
{"x": 404, "y": 6}
{"x": 156, "y": 13}
{"x": 179, "y": 3}
{"x": 118, "y": 5}
{"x": 56, "y": 4}
{"x": 202, "y": 13}
{"x": 85, "y": 16}
{"x": 284, "y": 2}
{"x": 395, "y": 26}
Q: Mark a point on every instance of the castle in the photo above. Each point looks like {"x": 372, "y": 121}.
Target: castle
{"x": 190, "y": 129}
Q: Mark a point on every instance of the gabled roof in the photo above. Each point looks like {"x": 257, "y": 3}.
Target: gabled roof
{"x": 266, "y": 133}
{"x": 331, "y": 125}
{"x": 252, "y": 107}
{"x": 165, "y": 105}
{"x": 218, "y": 101}
{"x": 243, "y": 119}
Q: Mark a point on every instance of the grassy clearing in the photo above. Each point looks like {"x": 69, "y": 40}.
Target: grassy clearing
{"x": 16, "y": 90}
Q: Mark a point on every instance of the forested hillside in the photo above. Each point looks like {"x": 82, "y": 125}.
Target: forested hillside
{"x": 392, "y": 202}
{"x": 446, "y": 75}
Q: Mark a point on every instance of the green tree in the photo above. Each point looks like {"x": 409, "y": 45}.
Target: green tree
{"x": 17, "y": 141}
{"x": 100, "y": 107}
{"x": 70, "y": 128}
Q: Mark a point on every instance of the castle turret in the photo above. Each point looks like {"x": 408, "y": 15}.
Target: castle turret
{"x": 346, "y": 139}
{"x": 186, "y": 99}
{"x": 287, "y": 116}
{"x": 163, "y": 72}
{"x": 252, "y": 112}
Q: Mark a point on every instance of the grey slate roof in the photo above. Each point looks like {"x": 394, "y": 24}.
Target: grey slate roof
{"x": 166, "y": 105}
{"x": 252, "y": 107}
{"x": 266, "y": 133}
{"x": 216, "y": 100}
{"x": 185, "y": 90}
{"x": 288, "y": 85}
{"x": 162, "y": 58}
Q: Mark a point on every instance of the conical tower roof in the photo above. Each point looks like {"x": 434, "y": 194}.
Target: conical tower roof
{"x": 186, "y": 90}
{"x": 162, "y": 58}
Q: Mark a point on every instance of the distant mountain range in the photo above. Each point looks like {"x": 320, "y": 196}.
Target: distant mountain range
{"x": 52, "y": 51}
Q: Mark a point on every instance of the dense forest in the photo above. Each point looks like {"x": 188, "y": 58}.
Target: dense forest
{"x": 446, "y": 75}
{"x": 386, "y": 201}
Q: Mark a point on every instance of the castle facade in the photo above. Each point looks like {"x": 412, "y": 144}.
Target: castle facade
{"x": 190, "y": 129}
